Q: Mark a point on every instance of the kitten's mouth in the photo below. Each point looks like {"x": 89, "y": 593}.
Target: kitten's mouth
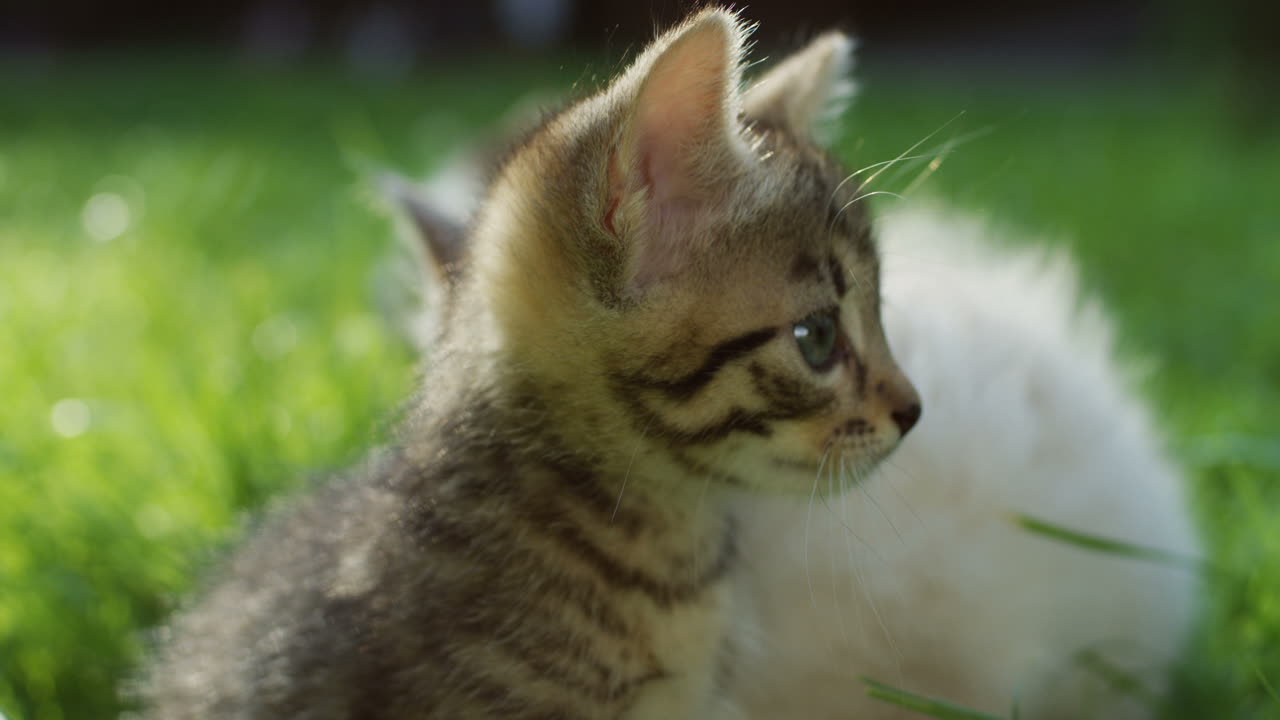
{"x": 794, "y": 464}
{"x": 858, "y": 462}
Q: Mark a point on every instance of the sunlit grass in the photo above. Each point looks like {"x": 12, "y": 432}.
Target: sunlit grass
{"x": 189, "y": 316}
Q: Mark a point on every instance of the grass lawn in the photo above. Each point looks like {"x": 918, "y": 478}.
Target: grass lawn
{"x": 189, "y": 265}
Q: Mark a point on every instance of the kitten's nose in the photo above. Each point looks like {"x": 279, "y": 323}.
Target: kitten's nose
{"x": 902, "y": 400}
{"x": 907, "y": 417}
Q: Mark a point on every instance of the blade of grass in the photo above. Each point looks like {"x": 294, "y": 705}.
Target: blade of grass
{"x": 1120, "y": 680}
{"x": 928, "y": 706}
{"x": 1266, "y": 684}
{"x": 1235, "y": 449}
{"x": 1101, "y": 544}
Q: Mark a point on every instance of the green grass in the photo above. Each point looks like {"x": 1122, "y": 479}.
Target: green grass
{"x": 226, "y": 343}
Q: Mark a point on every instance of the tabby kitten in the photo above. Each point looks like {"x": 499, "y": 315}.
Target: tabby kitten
{"x": 919, "y": 577}
{"x": 672, "y": 297}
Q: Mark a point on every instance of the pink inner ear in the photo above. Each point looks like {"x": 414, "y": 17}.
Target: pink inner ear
{"x": 617, "y": 188}
{"x": 678, "y": 144}
{"x": 609, "y": 213}
{"x": 680, "y": 128}
{"x": 661, "y": 238}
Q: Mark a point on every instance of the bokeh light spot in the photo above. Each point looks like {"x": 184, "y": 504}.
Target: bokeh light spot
{"x": 153, "y": 521}
{"x": 105, "y": 216}
{"x": 357, "y": 334}
{"x": 275, "y": 337}
{"x": 70, "y": 417}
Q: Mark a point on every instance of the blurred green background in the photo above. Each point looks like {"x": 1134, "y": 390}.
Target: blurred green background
{"x": 191, "y": 263}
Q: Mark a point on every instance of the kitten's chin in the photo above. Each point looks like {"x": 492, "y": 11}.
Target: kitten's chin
{"x": 824, "y": 476}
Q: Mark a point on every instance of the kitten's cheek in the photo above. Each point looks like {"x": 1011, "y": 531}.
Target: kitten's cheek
{"x": 849, "y": 435}
{"x": 812, "y": 438}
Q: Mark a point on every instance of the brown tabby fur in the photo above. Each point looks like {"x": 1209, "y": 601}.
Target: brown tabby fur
{"x": 551, "y": 537}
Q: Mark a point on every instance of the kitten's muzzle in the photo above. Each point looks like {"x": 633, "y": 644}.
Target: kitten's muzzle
{"x": 906, "y": 418}
{"x": 901, "y": 400}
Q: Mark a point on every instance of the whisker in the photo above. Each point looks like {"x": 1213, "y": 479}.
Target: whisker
{"x": 941, "y": 151}
{"x": 808, "y": 520}
{"x": 901, "y": 498}
{"x": 864, "y": 196}
{"x": 867, "y": 493}
{"x": 835, "y": 590}
{"x": 855, "y": 583}
{"x": 890, "y": 163}
{"x": 925, "y": 174}
{"x": 875, "y": 609}
{"x": 630, "y": 464}
{"x": 702, "y": 493}
{"x": 882, "y": 163}
{"x": 886, "y": 253}
{"x": 841, "y": 519}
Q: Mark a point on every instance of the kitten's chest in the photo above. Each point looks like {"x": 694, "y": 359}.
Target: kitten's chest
{"x": 691, "y": 644}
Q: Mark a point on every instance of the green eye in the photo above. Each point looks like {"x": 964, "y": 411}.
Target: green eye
{"x": 816, "y": 338}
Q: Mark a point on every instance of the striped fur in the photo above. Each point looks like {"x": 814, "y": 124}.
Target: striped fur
{"x": 552, "y": 536}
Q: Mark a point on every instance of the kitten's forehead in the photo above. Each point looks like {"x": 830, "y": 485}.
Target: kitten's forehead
{"x": 810, "y": 206}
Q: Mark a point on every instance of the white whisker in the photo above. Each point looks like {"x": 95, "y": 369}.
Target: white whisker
{"x": 939, "y": 152}
{"x": 925, "y": 174}
{"x": 835, "y": 590}
{"x": 866, "y": 195}
{"x": 900, "y": 157}
{"x": 867, "y": 493}
{"x": 630, "y": 464}
{"x": 901, "y": 498}
{"x": 808, "y": 519}
{"x": 875, "y": 610}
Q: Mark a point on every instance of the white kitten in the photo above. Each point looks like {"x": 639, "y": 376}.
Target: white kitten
{"x": 918, "y": 577}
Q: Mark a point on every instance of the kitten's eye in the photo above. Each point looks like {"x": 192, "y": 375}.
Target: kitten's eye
{"x": 816, "y": 338}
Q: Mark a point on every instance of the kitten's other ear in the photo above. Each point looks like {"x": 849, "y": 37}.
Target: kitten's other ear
{"x": 441, "y": 237}
{"x": 680, "y": 143}
{"x": 807, "y": 92}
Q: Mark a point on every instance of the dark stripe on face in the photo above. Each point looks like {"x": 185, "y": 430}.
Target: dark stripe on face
{"x": 787, "y": 395}
{"x": 857, "y": 365}
{"x": 837, "y": 275}
{"x": 805, "y": 268}
{"x": 719, "y": 356}
{"x": 650, "y": 422}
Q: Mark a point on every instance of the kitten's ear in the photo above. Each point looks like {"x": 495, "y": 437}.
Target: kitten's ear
{"x": 807, "y": 92}
{"x": 680, "y": 144}
{"x": 441, "y": 237}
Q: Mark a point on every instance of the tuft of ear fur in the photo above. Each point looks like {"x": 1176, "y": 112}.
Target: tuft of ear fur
{"x": 808, "y": 91}
{"x": 680, "y": 143}
{"x": 417, "y": 295}
{"x": 441, "y": 236}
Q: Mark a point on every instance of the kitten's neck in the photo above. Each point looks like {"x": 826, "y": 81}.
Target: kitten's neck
{"x": 610, "y": 486}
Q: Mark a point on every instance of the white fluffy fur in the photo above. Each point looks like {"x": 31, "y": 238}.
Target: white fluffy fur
{"x": 917, "y": 577}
